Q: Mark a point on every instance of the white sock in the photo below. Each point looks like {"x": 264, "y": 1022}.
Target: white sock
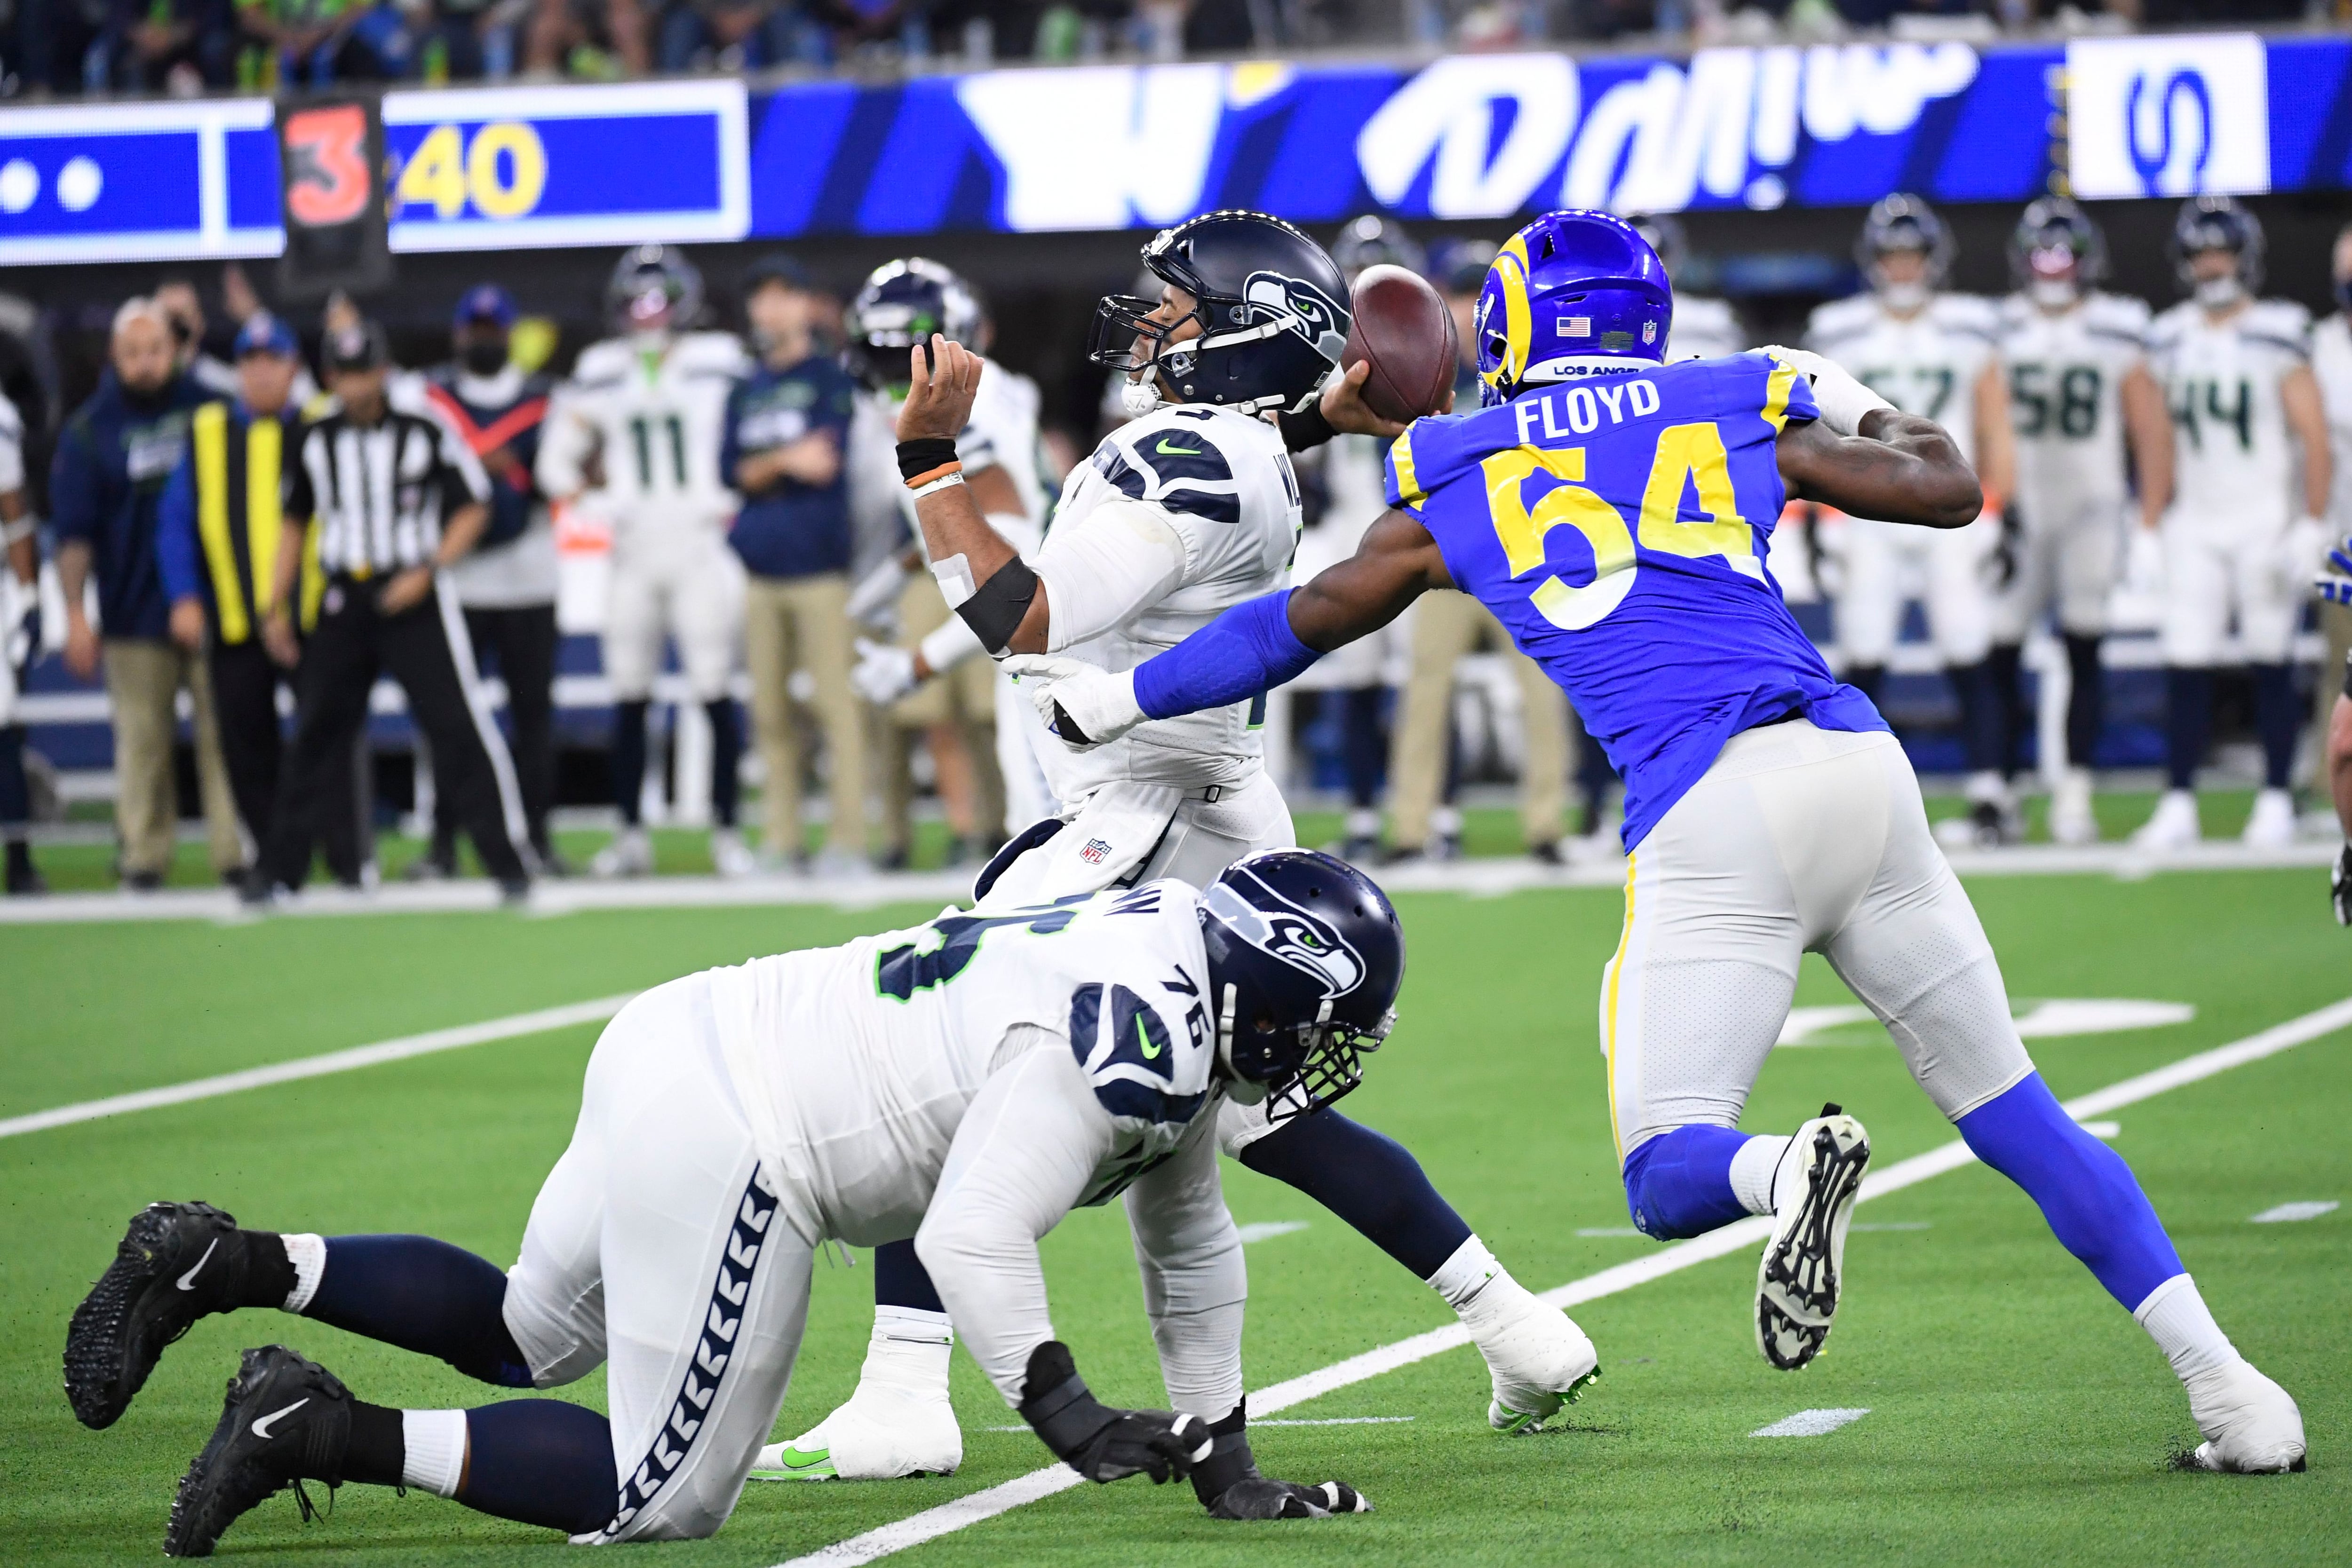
{"x": 907, "y": 1353}
{"x": 435, "y": 1445}
{"x": 1755, "y": 1172}
{"x": 2176, "y": 1317}
{"x": 1461, "y": 1278}
{"x": 308, "y": 1255}
{"x": 914, "y": 1325}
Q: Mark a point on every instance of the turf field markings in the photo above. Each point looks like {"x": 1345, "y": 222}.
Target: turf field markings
{"x": 1267, "y": 1229}
{"x": 1809, "y": 1424}
{"x": 2287, "y": 1213}
{"x": 987, "y": 1503}
{"x": 2106, "y": 1131}
{"x": 1320, "y": 1421}
{"x": 334, "y": 1061}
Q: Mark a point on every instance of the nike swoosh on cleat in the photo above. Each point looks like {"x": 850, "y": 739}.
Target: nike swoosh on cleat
{"x": 188, "y": 1279}
{"x": 261, "y": 1427}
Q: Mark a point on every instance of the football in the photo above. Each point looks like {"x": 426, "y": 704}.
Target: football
{"x": 1404, "y": 327}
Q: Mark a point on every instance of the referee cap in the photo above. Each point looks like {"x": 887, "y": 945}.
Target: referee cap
{"x": 359, "y": 347}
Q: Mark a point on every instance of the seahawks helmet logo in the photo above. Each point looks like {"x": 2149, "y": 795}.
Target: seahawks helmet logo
{"x": 1292, "y": 936}
{"x": 1299, "y": 306}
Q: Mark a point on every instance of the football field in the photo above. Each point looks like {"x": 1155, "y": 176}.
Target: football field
{"x": 2014, "y": 1413}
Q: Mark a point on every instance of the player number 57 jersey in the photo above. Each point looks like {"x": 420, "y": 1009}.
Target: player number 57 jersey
{"x": 1928, "y": 363}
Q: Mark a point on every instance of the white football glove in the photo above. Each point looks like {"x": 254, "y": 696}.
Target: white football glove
{"x": 883, "y": 673}
{"x": 1843, "y": 400}
{"x": 1083, "y": 706}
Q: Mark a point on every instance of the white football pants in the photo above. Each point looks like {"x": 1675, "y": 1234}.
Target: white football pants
{"x": 657, "y": 1247}
{"x": 2215, "y": 566}
{"x": 2069, "y": 559}
{"x": 1798, "y": 840}
{"x": 1882, "y": 562}
{"x": 686, "y": 585}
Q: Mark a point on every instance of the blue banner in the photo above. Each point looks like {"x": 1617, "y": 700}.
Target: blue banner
{"x": 1119, "y": 147}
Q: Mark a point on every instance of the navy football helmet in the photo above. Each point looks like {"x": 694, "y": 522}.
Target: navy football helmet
{"x": 2056, "y": 242}
{"x": 1374, "y": 241}
{"x": 1305, "y": 959}
{"x": 2218, "y": 223}
{"x": 653, "y": 289}
{"x": 1273, "y": 309}
{"x": 902, "y": 304}
{"x": 1902, "y": 222}
{"x": 1571, "y": 288}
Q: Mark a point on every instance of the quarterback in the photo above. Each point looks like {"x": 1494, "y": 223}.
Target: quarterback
{"x": 1190, "y": 508}
{"x": 1613, "y": 510}
{"x": 965, "y": 1082}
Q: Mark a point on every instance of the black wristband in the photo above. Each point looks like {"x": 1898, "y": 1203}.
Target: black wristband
{"x": 1304, "y": 429}
{"x": 924, "y": 454}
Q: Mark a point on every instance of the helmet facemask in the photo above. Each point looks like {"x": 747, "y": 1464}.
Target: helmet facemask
{"x": 1279, "y": 978}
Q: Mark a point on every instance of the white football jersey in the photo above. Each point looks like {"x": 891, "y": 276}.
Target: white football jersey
{"x": 856, "y": 1063}
{"x": 2331, "y": 362}
{"x": 12, "y": 447}
{"x": 1224, "y": 482}
{"x": 2232, "y": 452}
{"x": 657, "y": 418}
{"x": 1704, "y": 329}
{"x": 2067, "y": 372}
{"x": 1925, "y": 364}
{"x": 1002, "y": 433}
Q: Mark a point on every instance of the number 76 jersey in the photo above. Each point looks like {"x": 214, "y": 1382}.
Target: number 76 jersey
{"x": 1617, "y": 527}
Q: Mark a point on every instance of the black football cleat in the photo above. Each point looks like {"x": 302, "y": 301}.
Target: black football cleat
{"x": 177, "y": 1262}
{"x": 287, "y": 1420}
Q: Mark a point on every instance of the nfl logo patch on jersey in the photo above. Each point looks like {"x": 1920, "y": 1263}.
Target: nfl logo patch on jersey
{"x": 1095, "y": 849}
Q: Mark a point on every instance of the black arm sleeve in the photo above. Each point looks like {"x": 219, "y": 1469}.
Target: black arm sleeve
{"x": 1306, "y": 428}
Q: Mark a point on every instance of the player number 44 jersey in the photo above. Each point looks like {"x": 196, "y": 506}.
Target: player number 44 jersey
{"x": 2233, "y": 455}
{"x": 1617, "y": 528}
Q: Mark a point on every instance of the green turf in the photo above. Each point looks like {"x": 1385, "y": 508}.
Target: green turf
{"x": 2017, "y": 1415}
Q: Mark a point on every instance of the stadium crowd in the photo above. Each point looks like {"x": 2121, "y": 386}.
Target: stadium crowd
{"x": 264, "y": 542}
{"x": 190, "y": 47}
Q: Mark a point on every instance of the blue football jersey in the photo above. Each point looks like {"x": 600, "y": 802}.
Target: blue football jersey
{"x": 1616, "y": 527}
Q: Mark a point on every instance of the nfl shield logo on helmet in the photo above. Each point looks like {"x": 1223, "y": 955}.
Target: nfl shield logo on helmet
{"x": 1093, "y": 852}
{"x": 1649, "y": 331}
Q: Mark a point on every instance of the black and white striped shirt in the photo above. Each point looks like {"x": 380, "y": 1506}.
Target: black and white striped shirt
{"x": 378, "y": 493}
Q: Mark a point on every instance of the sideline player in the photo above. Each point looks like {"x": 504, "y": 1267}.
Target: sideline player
{"x": 1931, "y": 354}
{"x": 1615, "y": 511}
{"x": 2079, "y": 387}
{"x": 1189, "y": 508}
{"x": 902, "y": 304}
{"x": 20, "y": 645}
{"x": 650, "y": 406}
{"x": 966, "y": 1082}
{"x": 2239, "y": 538}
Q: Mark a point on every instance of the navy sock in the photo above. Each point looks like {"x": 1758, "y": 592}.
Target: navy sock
{"x": 2278, "y": 718}
{"x": 1679, "y": 1183}
{"x": 2005, "y": 671}
{"x": 2085, "y": 699}
{"x": 629, "y": 759}
{"x": 2188, "y": 719}
{"x": 541, "y": 1461}
{"x": 726, "y": 759}
{"x": 901, "y": 1280}
{"x": 15, "y": 790}
{"x": 1365, "y": 741}
{"x": 422, "y": 1295}
{"x": 1367, "y": 1179}
{"x": 1870, "y": 680}
{"x": 1980, "y": 716}
{"x": 2092, "y": 1200}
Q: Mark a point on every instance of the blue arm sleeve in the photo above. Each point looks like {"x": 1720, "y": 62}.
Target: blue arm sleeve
{"x": 176, "y": 535}
{"x": 1248, "y": 649}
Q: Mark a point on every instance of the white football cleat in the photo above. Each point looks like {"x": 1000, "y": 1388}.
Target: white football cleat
{"x": 729, "y": 857}
{"x": 2250, "y": 1425}
{"x": 1802, "y": 1275}
{"x": 2272, "y": 826}
{"x": 631, "y": 853}
{"x": 2173, "y": 826}
{"x": 1537, "y": 1360}
{"x": 2071, "y": 820}
{"x": 899, "y": 1423}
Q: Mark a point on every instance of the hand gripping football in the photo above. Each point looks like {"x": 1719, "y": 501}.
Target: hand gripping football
{"x": 1405, "y": 330}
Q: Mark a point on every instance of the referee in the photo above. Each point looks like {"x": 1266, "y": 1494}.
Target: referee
{"x": 396, "y": 497}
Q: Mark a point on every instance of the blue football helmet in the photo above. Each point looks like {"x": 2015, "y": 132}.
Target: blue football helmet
{"x": 1569, "y": 288}
{"x": 902, "y": 303}
{"x": 1372, "y": 240}
{"x": 1273, "y": 309}
{"x": 1902, "y": 222}
{"x": 1305, "y": 959}
{"x": 2218, "y": 223}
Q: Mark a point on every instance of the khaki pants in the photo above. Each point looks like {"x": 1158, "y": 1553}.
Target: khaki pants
{"x": 143, "y": 675}
{"x": 963, "y": 700}
{"x": 1446, "y": 625}
{"x": 802, "y": 623}
{"x": 2336, "y": 621}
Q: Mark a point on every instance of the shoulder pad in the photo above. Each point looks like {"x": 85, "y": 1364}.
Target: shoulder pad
{"x": 1145, "y": 1048}
{"x": 2124, "y": 312}
{"x": 1969, "y": 313}
{"x": 2279, "y": 318}
{"x": 1842, "y": 318}
{"x": 1175, "y": 459}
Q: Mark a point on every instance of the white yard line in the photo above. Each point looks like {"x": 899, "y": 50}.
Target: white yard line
{"x": 334, "y": 1061}
{"x": 1483, "y": 878}
{"x": 980, "y": 1506}
{"x": 1810, "y": 1424}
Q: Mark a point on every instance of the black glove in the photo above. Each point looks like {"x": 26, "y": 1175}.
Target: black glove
{"x": 1229, "y": 1486}
{"x": 2002, "y": 566}
{"x": 23, "y": 640}
{"x": 2339, "y": 886}
{"x": 1099, "y": 1441}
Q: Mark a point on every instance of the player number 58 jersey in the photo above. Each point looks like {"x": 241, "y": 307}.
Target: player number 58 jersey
{"x": 2066, "y": 370}
{"x": 2233, "y": 458}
